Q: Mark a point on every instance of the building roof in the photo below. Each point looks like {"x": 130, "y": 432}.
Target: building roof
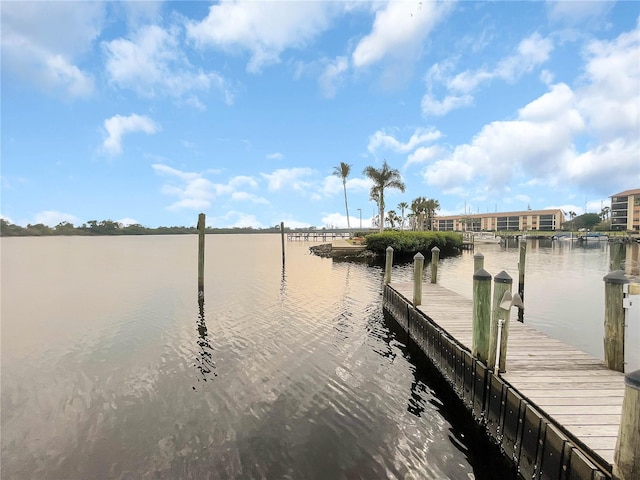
{"x": 635, "y": 191}
{"x": 503, "y": 214}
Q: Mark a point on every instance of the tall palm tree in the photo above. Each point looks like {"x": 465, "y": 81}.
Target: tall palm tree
{"x": 402, "y": 206}
{"x": 419, "y": 209}
{"x": 431, "y": 206}
{"x": 382, "y": 178}
{"x": 343, "y": 170}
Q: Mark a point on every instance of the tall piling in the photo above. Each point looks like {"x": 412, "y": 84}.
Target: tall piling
{"x": 521, "y": 263}
{"x": 282, "y": 241}
{"x": 626, "y": 461}
{"x": 614, "y": 320}
{"x": 478, "y": 262}
{"x": 435, "y": 258}
{"x": 388, "y": 263}
{"x": 201, "y": 227}
{"x": 502, "y": 283}
{"x": 418, "y": 266}
{"x": 481, "y": 315}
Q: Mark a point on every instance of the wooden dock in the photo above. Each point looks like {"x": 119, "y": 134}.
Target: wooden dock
{"x": 317, "y": 236}
{"x": 556, "y": 409}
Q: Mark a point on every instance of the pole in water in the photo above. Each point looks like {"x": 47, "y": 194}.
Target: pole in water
{"x": 282, "y": 240}
{"x": 201, "y": 224}
{"x": 523, "y": 256}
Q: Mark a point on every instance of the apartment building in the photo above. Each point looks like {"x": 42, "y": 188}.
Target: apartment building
{"x": 547, "y": 220}
{"x": 625, "y": 210}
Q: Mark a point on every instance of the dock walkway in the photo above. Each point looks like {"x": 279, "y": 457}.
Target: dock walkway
{"x": 557, "y": 388}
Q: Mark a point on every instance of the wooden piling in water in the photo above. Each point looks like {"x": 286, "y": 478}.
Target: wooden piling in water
{"x": 481, "y": 315}
{"x": 435, "y": 258}
{"x": 626, "y": 463}
{"x": 521, "y": 263}
{"x": 418, "y": 266}
{"x": 201, "y": 227}
{"x": 614, "y": 320}
{"x": 502, "y": 283}
{"x": 282, "y": 240}
{"x": 388, "y": 263}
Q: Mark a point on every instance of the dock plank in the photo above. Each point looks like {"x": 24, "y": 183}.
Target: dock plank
{"x": 571, "y": 388}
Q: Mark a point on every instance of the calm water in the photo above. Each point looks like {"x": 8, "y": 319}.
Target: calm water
{"x": 111, "y": 368}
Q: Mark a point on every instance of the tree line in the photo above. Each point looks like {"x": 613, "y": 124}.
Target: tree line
{"x": 109, "y": 227}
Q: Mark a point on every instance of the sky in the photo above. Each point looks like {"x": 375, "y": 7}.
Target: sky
{"x": 151, "y": 112}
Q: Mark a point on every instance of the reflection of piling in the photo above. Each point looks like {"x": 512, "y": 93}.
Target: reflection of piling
{"x": 282, "y": 240}
{"x": 201, "y": 224}
{"x": 523, "y": 256}
{"x": 616, "y": 250}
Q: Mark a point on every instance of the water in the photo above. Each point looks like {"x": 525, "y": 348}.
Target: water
{"x": 564, "y": 288}
{"x": 112, "y": 369}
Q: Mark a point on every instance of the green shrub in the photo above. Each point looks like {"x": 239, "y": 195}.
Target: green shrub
{"x": 410, "y": 243}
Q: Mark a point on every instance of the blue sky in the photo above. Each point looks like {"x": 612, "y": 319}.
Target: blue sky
{"x": 150, "y": 112}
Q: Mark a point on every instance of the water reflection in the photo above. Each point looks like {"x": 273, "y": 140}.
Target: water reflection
{"x": 205, "y": 363}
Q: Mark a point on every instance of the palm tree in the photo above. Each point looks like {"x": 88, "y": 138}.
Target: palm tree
{"x": 392, "y": 218}
{"x": 402, "y": 206}
{"x": 343, "y": 170}
{"x": 419, "y": 209}
{"x": 382, "y": 178}
{"x": 431, "y": 206}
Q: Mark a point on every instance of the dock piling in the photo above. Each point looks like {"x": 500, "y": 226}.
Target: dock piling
{"x": 614, "y": 320}
{"x": 435, "y": 257}
{"x": 502, "y": 283}
{"x": 418, "y": 266}
{"x": 282, "y": 240}
{"x": 201, "y": 226}
{"x": 626, "y": 463}
{"x": 523, "y": 256}
{"x": 478, "y": 261}
{"x": 388, "y": 263}
{"x": 481, "y": 315}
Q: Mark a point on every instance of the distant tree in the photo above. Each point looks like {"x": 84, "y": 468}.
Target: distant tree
{"x": 343, "y": 170}
{"x": 402, "y": 206}
{"x": 392, "y": 218}
{"x": 432, "y": 206}
{"x": 604, "y": 213}
{"x": 419, "y": 209}
{"x": 382, "y": 179}
{"x": 586, "y": 220}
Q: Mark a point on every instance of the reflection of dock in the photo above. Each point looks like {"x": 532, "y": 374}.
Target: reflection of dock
{"x": 317, "y": 235}
{"x": 555, "y": 412}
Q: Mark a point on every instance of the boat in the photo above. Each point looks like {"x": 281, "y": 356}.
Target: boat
{"x": 594, "y": 237}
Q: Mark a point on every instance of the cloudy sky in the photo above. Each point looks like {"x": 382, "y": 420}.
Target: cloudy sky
{"x": 150, "y": 112}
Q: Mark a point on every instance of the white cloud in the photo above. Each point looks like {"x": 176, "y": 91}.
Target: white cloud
{"x": 265, "y": 29}
{"x": 576, "y": 12}
{"x": 398, "y": 31}
{"x": 433, "y": 106}
{"x": 275, "y": 156}
{"x": 381, "y": 140}
{"x": 531, "y": 52}
{"x": 249, "y": 197}
{"x": 43, "y": 41}
{"x": 53, "y": 218}
{"x": 332, "y": 185}
{"x": 7, "y": 219}
{"x": 423, "y": 155}
{"x": 118, "y": 125}
{"x": 288, "y": 177}
{"x": 152, "y": 63}
{"x": 332, "y": 76}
